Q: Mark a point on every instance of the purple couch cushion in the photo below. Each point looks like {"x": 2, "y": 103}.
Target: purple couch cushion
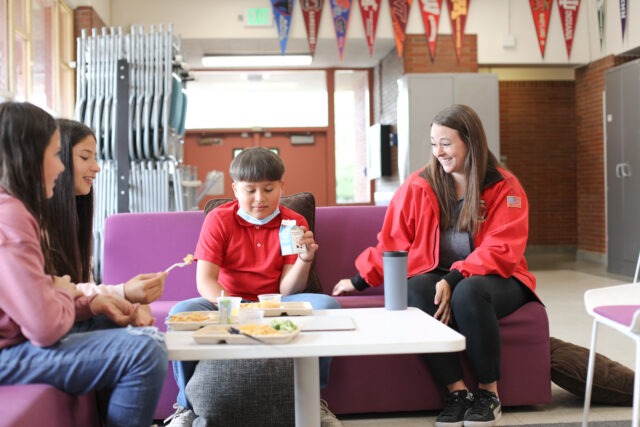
{"x": 151, "y": 242}
{"x": 43, "y": 405}
{"x": 342, "y": 233}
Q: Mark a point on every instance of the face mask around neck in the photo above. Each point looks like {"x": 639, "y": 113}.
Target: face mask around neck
{"x": 255, "y": 221}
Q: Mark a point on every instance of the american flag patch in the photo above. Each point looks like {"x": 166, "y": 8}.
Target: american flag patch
{"x": 514, "y": 202}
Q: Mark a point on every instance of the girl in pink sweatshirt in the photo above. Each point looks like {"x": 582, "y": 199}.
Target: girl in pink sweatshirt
{"x": 50, "y": 332}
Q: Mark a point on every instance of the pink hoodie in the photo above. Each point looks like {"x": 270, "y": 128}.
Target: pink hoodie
{"x": 31, "y": 308}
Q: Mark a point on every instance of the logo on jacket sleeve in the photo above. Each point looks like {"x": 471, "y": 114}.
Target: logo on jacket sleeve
{"x": 514, "y": 202}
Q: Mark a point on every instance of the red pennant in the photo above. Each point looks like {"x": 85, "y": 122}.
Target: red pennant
{"x": 369, "y": 9}
{"x": 541, "y": 10}
{"x": 458, "y": 11}
{"x": 568, "y": 17}
{"x": 431, "y": 17}
{"x": 312, "y": 11}
{"x": 400, "y": 15}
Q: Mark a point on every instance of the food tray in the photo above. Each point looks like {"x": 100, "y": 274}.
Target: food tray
{"x": 213, "y": 319}
{"x": 218, "y": 334}
{"x": 287, "y": 308}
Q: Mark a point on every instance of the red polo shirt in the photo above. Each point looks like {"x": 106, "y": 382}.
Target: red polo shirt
{"x": 248, "y": 255}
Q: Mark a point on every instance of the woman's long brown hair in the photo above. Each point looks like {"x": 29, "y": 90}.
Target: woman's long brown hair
{"x": 465, "y": 121}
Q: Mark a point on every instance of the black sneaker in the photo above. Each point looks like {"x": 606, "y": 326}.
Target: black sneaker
{"x": 486, "y": 410}
{"x": 456, "y": 406}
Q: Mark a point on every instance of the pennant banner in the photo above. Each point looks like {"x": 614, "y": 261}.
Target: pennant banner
{"x": 541, "y": 10}
{"x": 400, "y": 15}
{"x": 431, "y": 17}
{"x": 600, "y": 6}
{"x": 282, "y": 11}
{"x": 340, "y": 10}
{"x": 623, "y": 16}
{"x": 312, "y": 11}
{"x": 458, "y": 11}
{"x": 369, "y": 10}
{"x": 568, "y": 17}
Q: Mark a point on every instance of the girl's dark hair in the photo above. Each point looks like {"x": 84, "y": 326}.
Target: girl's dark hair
{"x": 25, "y": 133}
{"x": 256, "y": 164}
{"x": 466, "y": 122}
{"x": 71, "y": 231}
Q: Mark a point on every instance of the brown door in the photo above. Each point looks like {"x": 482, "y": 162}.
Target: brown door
{"x": 306, "y": 165}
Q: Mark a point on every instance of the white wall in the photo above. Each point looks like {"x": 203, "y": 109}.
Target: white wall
{"x": 490, "y": 19}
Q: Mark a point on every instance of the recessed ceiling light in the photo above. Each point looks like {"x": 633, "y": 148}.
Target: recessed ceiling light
{"x": 252, "y": 61}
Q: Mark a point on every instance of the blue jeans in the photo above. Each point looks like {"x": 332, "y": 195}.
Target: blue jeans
{"x": 130, "y": 363}
{"x": 183, "y": 370}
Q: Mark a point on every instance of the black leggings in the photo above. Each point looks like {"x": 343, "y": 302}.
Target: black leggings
{"x": 477, "y": 303}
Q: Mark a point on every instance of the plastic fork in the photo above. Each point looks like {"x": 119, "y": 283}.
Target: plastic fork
{"x": 187, "y": 260}
{"x": 236, "y": 331}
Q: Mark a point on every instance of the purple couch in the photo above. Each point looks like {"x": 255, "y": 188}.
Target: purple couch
{"x": 43, "y": 405}
{"x": 137, "y": 243}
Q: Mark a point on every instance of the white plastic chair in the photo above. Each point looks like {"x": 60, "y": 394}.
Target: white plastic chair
{"x": 619, "y": 308}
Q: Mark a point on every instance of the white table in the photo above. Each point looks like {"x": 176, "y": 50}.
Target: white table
{"x": 378, "y": 331}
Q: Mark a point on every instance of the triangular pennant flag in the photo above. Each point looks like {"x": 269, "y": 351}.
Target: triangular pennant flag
{"x": 568, "y": 16}
{"x": 312, "y": 11}
{"x": 541, "y": 10}
{"x": 400, "y": 15}
{"x": 431, "y": 17}
{"x": 369, "y": 10}
{"x": 458, "y": 11}
{"x": 282, "y": 11}
{"x": 600, "y": 6}
{"x": 623, "y": 16}
{"x": 341, "y": 9}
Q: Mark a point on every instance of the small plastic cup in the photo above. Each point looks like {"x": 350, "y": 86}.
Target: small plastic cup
{"x": 228, "y": 309}
{"x": 250, "y": 316}
{"x": 269, "y": 300}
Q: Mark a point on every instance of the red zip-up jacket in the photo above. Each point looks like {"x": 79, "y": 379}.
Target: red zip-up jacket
{"x": 412, "y": 224}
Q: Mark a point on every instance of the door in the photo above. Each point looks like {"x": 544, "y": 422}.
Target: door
{"x": 306, "y": 163}
{"x": 622, "y": 118}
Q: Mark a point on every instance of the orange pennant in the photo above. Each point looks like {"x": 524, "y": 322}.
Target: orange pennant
{"x": 400, "y": 15}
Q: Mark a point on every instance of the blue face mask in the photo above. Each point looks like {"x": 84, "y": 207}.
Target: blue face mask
{"x": 255, "y": 221}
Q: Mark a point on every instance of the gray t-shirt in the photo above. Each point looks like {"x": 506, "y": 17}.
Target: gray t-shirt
{"x": 454, "y": 246}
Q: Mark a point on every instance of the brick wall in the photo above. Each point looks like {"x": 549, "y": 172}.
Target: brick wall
{"x": 85, "y": 18}
{"x": 418, "y": 60}
{"x": 538, "y": 141}
{"x": 591, "y": 214}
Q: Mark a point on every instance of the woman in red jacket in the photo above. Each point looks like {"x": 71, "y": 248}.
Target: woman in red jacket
{"x": 464, "y": 221}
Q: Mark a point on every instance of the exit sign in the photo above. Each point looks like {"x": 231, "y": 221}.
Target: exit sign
{"x": 258, "y": 17}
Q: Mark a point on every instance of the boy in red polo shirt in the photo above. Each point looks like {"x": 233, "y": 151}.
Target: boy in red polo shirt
{"x": 239, "y": 252}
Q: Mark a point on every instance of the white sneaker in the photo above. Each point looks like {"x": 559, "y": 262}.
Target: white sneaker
{"x": 183, "y": 417}
{"x": 327, "y": 418}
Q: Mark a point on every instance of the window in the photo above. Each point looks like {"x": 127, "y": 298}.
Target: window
{"x": 351, "y": 110}
{"x": 20, "y": 50}
{"x": 228, "y": 100}
{"x": 36, "y": 49}
{"x": 42, "y": 74}
{"x": 4, "y": 48}
{"x": 292, "y": 99}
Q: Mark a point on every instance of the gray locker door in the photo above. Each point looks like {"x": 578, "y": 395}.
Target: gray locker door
{"x": 422, "y": 96}
{"x": 622, "y": 119}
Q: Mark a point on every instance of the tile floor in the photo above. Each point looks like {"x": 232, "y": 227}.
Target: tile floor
{"x": 561, "y": 285}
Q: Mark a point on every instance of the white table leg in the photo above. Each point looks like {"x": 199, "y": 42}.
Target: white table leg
{"x": 307, "y": 391}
